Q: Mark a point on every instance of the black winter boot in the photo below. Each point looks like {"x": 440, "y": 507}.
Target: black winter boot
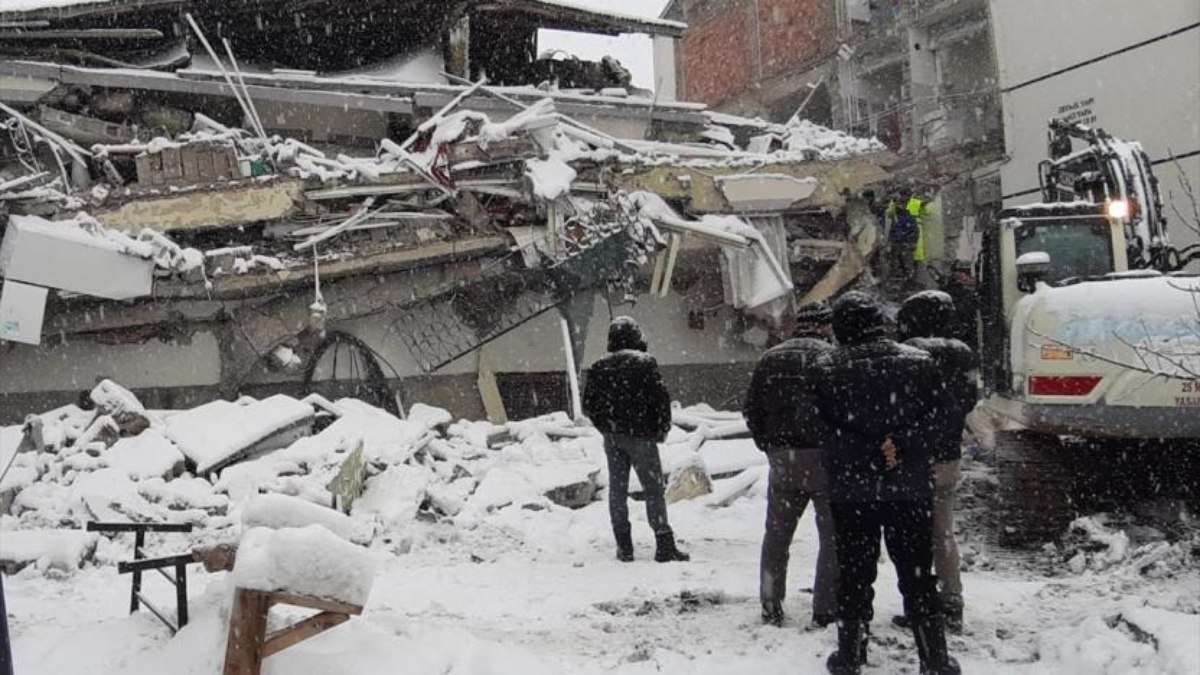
{"x": 772, "y": 614}
{"x": 666, "y": 551}
{"x": 952, "y": 611}
{"x": 624, "y": 543}
{"x": 930, "y": 635}
{"x": 851, "y": 653}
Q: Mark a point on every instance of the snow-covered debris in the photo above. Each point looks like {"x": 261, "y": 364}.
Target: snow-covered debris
{"x": 429, "y": 416}
{"x": 1140, "y": 641}
{"x": 725, "y": 458}
{"x": 148, "y": 455}
{"x": 113, "y": 399}
{"x": 551, "y": 178}
{"x": 827, "y": 144}
{"x": 308, "y": 561}
{"x": 216, "y": 433}
{"x": 49, "y": 549}
{"x": 395, "y": 496}
{"x": 277, "y": 511}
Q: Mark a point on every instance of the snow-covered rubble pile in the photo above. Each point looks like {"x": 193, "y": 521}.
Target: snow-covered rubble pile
{"x": 229, "y": 467}
{"x": 827, "y": 144}
{"x": 1092, "y": 544}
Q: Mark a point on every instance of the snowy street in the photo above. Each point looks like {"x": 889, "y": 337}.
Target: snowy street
{"x": 532, "y": 587}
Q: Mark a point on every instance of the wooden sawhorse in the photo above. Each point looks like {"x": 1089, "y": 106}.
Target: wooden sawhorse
{"x": 249, "y": 643}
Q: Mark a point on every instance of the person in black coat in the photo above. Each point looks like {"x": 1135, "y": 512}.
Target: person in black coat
{"x": 625, "y": 399}
{"x": 796, "y": 473}
{"x": 874, "y": 403}
{"x": 926, "y": 322}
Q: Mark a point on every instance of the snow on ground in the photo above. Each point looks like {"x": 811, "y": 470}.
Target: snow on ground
{"x": 478, "y": 572}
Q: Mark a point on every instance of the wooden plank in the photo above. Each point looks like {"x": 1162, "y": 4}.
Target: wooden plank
{"x": 172, "y": 167}
{"x": 311, "y": 602}
{"x": 247, "y": 633}
{"x": 145, "y": 171}
{"x": 190, "y": 165}
{"x": 204, "y": 159}
{"x": 347, "y": 486}
{"x": 299, "y": 632}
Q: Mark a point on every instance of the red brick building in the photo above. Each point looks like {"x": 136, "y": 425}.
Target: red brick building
{"x": 744, "y": 56}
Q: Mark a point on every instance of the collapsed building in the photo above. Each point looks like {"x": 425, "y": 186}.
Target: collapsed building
{"x": 399, "y": 200}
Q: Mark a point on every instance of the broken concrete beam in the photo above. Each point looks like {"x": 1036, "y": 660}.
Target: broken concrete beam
{"x": 703, "y": 194}
{"x": 765, "y": 192}
{"x": 228, "y": 205}
{"x": 690, "y": 482}
{"x": 86, "y": 130}
{"x": 219, "y": 433}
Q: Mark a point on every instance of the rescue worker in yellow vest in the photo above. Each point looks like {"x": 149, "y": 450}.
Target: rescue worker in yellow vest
{"x": 904, "y": 239}
{"x": 916, "y": 208}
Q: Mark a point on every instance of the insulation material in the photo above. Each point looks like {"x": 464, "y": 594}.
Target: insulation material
{"x": 756, "y": 277}
{"x": 78, "y": 256}
{"x": 22, "y": 311}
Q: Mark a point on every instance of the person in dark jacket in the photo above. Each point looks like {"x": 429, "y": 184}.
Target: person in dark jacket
{"x": 796, "y": 474}
{"x": 873, "y": 405}
{"x": 625, "y": 399}
{"x": 926, "y": 321}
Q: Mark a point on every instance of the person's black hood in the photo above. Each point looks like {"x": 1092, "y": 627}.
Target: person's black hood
{"x": 926, "y": 314}
{"x": 857, "y": 317}
{"x": 624, "y": 333}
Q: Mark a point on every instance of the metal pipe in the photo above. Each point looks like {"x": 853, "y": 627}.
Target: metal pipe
{"x": 237, "y": 93}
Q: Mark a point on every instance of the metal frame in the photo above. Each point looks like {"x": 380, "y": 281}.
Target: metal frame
{"x": 141, "y": 563}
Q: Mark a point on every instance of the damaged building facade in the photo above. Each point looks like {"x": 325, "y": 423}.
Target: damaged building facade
{"x": 920, "y": 75}
{"x": 397, "y": 201}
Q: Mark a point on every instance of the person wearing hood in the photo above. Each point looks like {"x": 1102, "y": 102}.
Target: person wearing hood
{"x": 626, "y": 401}
{"x": 874, "y": 402}
{"x": 926, "y": 321}
{"x": 796, "y": 474}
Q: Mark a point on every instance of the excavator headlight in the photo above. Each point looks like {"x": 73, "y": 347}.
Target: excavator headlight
{"x": 1118, "y": 209}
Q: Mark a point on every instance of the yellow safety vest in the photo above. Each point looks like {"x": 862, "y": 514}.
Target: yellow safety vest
{"x": 916, "y": 208}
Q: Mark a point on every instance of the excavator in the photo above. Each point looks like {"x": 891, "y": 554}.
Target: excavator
{"x": 1090, "y": 341}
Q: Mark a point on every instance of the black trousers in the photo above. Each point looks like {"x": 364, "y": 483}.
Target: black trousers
{"x": 907, "y": 529}
{"x": 641, "y": 454}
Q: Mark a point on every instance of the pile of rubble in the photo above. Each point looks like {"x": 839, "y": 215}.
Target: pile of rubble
{"x": 285, "y": 462}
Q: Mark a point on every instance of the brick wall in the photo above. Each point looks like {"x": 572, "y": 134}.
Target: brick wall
{"x": 732, "y": 44}
{"x": 716, "y": 54}
{"x": 795, "y": 33}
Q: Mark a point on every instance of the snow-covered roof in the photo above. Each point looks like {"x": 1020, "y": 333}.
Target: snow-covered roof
{"x": 575, "y": 11}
